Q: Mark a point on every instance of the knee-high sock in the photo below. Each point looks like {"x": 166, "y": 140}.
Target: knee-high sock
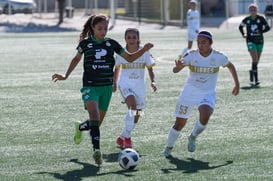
{"x": 84, "y": 126}
{"x": 172, "y": 137}
{"x": 198, "y": 128}
{"x": 95, "y": 134}
{"x": 255, "y": 71}
{"x": 129, "y": 124}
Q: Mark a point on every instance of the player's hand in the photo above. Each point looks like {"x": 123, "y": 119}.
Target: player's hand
{"x": 153, "y": 85}
{"x": 56, "y": 77}
{"x": 236, "y": 90}
{"x": 179, "y": 64}
{"x": 148, "y": 46}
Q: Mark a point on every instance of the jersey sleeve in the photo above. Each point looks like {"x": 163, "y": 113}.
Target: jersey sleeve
{"x": 117, "y": 47}
{"x": 149, "y": 59}
{"x": 80, "y": 47}
{"x": 224, "y": 60}
{"x": 187, "y": 58}
{"x": 118, "y": 60}
{"x": 242, "y": 25}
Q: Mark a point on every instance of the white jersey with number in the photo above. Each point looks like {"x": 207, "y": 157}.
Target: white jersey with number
{"x": 132, "y": 75}
{"x": 201, "y": 83}
{"x": 193, "y": 20}
{"x": 203, "y": 71}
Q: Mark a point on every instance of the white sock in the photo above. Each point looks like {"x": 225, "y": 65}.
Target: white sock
{"x": 198, "y": 128}
{"x": 184, "y": 51}
{"x": 172, "y": 137}
{"x": 129, "y": 124}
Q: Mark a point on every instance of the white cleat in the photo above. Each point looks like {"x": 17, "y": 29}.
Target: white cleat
{"x": 167, "y": 152}
{"x": 191, "y": 143}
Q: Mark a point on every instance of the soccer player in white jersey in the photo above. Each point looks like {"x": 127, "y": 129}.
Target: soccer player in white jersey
{"x": 199, "y": 90}
{"x": 193, "y": 23}
{"x": 131, "y": 83}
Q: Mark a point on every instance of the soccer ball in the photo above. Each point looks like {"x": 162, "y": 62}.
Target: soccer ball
{"x": 128, "y": 159}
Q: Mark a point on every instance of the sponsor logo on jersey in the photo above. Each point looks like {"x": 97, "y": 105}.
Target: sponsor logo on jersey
{"x": 100, "y": 53}
{"x": 90, "y": 45}
{"x": 95, "y": 67}
{"x": 204, "y": 70}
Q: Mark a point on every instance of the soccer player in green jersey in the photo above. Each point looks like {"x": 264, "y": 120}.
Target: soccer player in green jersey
{"x": 98, "y": 75}
{"x": 255, "y": 25}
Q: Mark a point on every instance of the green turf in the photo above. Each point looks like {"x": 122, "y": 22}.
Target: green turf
{"x": 36, "y": 130}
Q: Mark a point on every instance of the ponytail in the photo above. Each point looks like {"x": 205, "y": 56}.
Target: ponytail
{"x": 90, "y": 23}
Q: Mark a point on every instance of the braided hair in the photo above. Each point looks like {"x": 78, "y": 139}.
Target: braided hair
{"x": 90, "y": 23}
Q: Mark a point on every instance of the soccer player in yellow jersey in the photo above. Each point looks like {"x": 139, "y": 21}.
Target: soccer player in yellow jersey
{"x": 129, "y": 78}
{"x": 199, "y": 90}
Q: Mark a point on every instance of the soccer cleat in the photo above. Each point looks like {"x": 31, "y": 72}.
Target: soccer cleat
{"x": 191, "y": 143}
{"x": 167, "y": 152}
{"x": 97, "y": 157}
{"x": 120, "y": 142}
{"x": 127, "y": 143}
{"x": 78, "y": 133}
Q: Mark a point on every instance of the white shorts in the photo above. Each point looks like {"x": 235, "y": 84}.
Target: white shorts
{"x": 192, "y": 35}
{"x": 188, "y": 100}
{"x": 140, "y": 99}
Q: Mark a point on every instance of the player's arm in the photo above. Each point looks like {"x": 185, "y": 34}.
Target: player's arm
{"x": 152, "y": 78}
{"x": 241, "y": 28}
{"x": 74, "y": 62}
{"x": 266, "y": 26}
{"x": 130, "y": 57}
{"x": 116, "y": 77}
{"x": 233, "y": 72}
{"x": 179, "y": 65}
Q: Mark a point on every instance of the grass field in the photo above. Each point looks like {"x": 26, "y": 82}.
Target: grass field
{"x": 36, "y": 130}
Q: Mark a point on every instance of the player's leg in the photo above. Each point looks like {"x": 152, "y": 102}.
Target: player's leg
{"x": 252, "y": 49}
{"x": 173, "y": 135}
{"x": 205, "y": 111}
{"x": 259, "y": 53}
{"x": 125, "y": 135}
{"x": 183, "y": 109}
{"x": 190, "y": 38}
{"x": 137, "y": 116}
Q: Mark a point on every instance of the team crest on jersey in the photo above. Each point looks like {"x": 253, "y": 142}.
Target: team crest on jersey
{"x": 212, "y": 62}
{"x": 108, "y": 44}
{"x": 90, "y": 45}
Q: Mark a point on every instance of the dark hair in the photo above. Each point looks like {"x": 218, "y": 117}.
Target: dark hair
{"x": 91, "y": 22}
{"x": 132, "y": 30}
{"x": 205, "y": 34}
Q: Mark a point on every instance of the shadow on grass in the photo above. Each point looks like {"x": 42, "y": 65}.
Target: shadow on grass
{"x": 191, "y": 165}
{"x": 32, "y": 28}
{"x": 250, "y": 87}
{"x": 88, "y": 170}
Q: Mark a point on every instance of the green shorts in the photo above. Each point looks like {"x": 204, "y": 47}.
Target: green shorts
{"x": 256, "y": 47}
{"x": 101, "y": 94}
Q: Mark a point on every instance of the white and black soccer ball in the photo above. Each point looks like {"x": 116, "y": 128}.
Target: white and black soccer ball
{"x": 128, "y": 159}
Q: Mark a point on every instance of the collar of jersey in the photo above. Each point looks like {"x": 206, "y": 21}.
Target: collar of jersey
{"x": 97, "y": 41}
